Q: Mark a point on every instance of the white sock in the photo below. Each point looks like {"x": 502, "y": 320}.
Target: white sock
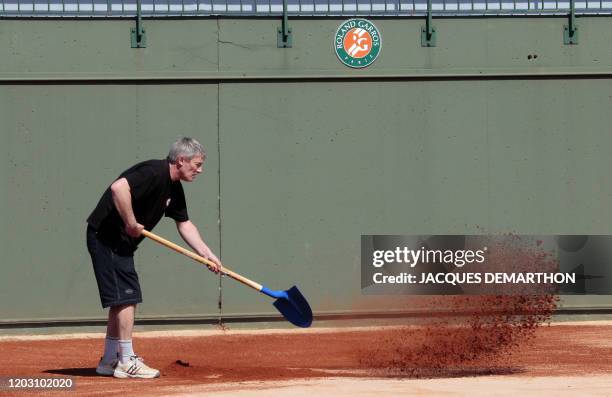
{"x": 111, "y": 348}
{"x": 125, "y": 350}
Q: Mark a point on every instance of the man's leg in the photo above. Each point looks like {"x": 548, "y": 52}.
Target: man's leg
{"x": 118, "y": 332}
{"x": 130, "y": 365}
{"x": 102, "y": 264}
{"x": 111, "y": 325}
{"x": 111, "y": 342}
{"x": 121, "y": 325}
{"x": 121, "y": 321}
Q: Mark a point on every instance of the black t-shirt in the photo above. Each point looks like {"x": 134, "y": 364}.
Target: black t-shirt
{"x": 153, "y": 195}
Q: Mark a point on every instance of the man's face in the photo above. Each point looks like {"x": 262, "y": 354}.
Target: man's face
{"x": 189, "y": 169}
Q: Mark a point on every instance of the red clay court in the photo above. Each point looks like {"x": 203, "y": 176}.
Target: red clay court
{"x": 559, "y": 360}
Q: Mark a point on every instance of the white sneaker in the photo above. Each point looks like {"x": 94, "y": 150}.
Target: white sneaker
{"x": 106, "y": 369}
{"x": 135, "y": 368}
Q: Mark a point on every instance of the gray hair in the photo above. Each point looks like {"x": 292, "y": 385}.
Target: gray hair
{"x": 185, "y": 147}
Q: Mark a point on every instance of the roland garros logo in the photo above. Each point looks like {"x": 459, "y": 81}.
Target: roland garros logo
{"x": 357, "y": 43}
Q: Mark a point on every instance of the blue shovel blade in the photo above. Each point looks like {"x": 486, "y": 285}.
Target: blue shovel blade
{"x": 292, "y": 305}
{"x": 295, "y": 308}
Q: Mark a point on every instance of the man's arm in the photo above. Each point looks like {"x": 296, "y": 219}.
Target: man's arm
{"x": 189, "y": 232}
{"x": 122, "y": 198}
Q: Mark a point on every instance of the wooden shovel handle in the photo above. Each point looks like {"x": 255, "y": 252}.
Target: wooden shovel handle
{"x": 201, "y": 259}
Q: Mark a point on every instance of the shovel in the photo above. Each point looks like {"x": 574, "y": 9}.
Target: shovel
{"x": 290, "y": 303}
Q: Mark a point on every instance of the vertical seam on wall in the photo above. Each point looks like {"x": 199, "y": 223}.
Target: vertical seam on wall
{"x": 488, "y": 149}
{"x": 220, "y": 301}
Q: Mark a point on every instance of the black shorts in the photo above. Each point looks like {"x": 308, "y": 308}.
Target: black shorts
{"x": 115, "y": 274}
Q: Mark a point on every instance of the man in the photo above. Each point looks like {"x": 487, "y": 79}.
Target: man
{"x": 134, "y": 202}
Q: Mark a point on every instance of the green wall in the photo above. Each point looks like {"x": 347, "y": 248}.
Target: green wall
{"x": 305, "y": 155}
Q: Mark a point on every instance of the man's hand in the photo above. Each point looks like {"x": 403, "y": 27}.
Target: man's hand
{"x": 216, "y": 265}
{"x": 134, "y": 229}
